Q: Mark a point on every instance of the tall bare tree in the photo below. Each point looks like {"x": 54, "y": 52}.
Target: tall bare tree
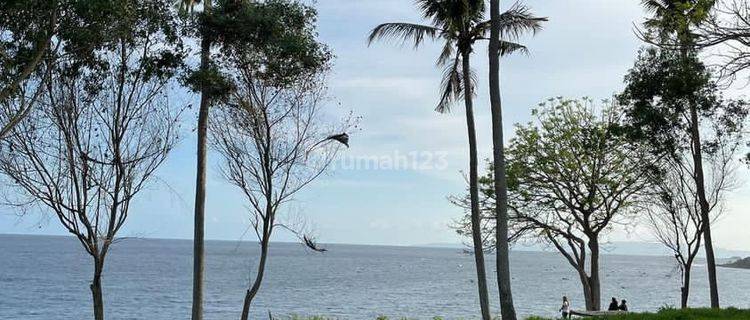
{"x": 268, "y": 79}
{"x": 96, "y": 136}
{"x": 673, "y": 212}
{"x": 277, "y": 38}
{"x": 727, "y": 30}
{"x": 508, "y": 25}
{"x": 273, "y": 141}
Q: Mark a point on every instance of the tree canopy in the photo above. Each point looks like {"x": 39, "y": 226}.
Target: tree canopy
{"x": 660, "y": 89}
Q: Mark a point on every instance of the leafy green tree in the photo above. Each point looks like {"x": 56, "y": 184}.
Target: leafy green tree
{"x": 673, "y": 23}
{"x": 36, "y": 33}
{"x": 670, "y": 101}
{"x": 508, "y": 25}
{"x": 570, "y": 178}
{"x": 673, "y": 27}
{"x": 459, "y": 24}
{"x": 30, "y": 26}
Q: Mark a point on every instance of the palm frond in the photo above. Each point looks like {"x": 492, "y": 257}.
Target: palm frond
{"x": 451, "y": 14}
{"x": 406, "y": 32}
{"x": 515, "y": 21}
{"x": 446, "y": 53}
{"x": 654, "y": 6}
{"x": 451, "y": 86}
{"x": 508, "y": 47}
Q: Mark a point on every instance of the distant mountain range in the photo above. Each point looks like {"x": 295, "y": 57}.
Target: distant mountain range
{"x": 616, "y": 247}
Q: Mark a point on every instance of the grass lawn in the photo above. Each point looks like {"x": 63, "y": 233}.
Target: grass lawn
{"x": 665, "y": 314}
{"x": 676, "y": 314}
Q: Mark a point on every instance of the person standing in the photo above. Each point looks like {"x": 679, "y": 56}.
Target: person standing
{"x": 565, "y": 308}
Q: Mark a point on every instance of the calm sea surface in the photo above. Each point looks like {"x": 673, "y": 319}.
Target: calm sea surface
{"x": 47, "y": 278}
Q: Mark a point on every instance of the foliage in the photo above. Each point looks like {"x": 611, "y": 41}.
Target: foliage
{"x": 36, "y": 35}
{"x": 458, "y": 24}
{"x": 660, "y": 90}
{"x": 275, "y": 41}
{"x": 675, "y": 20}
{"x": 568, "y": 165}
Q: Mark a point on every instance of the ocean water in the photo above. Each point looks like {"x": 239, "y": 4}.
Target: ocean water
{"x": 47, "y": 278}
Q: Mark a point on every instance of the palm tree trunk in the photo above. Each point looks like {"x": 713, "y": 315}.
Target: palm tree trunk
{"x": 199, "y": 263}
{"x": 502, "y": 261}
{"x": 474, "y": 189}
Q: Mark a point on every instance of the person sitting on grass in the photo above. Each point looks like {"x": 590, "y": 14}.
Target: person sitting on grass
{"x": 623, "y": 305}
{"x": 613, "y": 305}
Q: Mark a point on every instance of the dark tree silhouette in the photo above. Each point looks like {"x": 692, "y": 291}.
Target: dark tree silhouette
{"x": 508, "y": 25}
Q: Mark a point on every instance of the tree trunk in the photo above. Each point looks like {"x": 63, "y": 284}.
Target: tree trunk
{"x": 250, "y": 294}
{"x": 685, "y": 290}
{"x": 96, "y": 290}
{"x": 594, "y": 282}
{"x": 476, "y": 231}
{"x": 705, "y": 217}
{"x": 586, "y": 285}
{"x": 199, "y": 263}
{"x": 502, "y": 261}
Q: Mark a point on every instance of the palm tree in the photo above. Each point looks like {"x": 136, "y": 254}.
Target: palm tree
{"x": 510, "y": 24}
{"x": 674, "y": 20}
{"x": 459, "y": 24}
{"x": 199, "y": 263}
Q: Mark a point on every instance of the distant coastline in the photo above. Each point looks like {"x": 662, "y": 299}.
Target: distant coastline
{"x": 738, "y": 264}
{"x": 627, "y": 248}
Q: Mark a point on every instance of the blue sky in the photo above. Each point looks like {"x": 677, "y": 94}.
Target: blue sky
{"x": 584, "y": 50}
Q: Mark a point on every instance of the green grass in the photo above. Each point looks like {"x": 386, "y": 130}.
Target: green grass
{"x": 326, "y": 318}
{"x": 676, "y": 314}
{"x": 664, "y": 314}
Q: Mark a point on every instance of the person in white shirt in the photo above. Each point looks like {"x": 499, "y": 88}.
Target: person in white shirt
{"x": 565, "y": 309}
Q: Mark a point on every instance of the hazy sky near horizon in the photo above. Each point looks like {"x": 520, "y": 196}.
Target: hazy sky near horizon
{"x": 584, "y": 50}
